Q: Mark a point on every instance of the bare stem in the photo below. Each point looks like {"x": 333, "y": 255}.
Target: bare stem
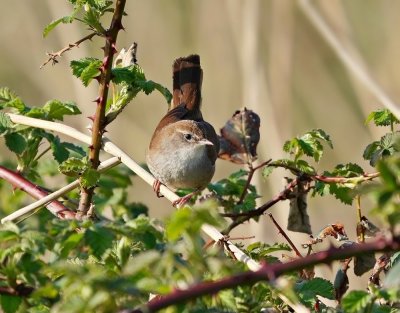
{"x": 252, "y": 170}
{"x": 99, "y": 124}
{"x": 240, "y": 218}
{"x": 54, "y": 55}
{"x": 283, "y": 233}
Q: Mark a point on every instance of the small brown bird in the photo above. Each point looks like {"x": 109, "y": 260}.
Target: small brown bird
{"x": 184, "y": 147}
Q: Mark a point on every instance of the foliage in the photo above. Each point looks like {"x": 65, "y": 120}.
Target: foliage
{"x": 120, "y": 258}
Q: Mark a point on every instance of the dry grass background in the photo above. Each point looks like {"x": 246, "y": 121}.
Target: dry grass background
{"x": 265, "y": 55}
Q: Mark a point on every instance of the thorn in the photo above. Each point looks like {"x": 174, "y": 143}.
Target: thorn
{"x": 97, "y": 100}
{"x": 91, "y": 118}
{"x": 103, "y": 48}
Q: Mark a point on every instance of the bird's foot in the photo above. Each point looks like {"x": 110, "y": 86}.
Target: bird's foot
{"x": 156, "y": 188}
{"x": 185, "y": 199}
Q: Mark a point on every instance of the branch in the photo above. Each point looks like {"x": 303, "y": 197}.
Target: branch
{"x": 19, "y": 290}
{"x": 252, "y": 170}
{"x": 99, "y": 122}
{"x": 50, "y": 197}
{"x": 18, "y": 181}
{"x": 282, "y": 232}
{"x": 111, "y": 148}
{"x": 54, "y": 55}
{"x": 239, "y": 218}
{"x": 268, "y": 272}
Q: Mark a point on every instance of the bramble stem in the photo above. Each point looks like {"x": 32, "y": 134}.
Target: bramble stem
{"x": 99, "y": 124}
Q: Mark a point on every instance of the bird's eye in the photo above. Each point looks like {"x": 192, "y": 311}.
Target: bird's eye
{"x": 188, "y": 137}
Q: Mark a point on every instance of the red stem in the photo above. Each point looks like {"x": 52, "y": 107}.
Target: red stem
{"x": 18, "y": 181}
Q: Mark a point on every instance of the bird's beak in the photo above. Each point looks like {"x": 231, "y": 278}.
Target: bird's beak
{"x": 205, "y": 142}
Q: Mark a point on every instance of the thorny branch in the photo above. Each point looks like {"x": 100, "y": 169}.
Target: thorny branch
{"x": 239, "y": 218}
{"x": 287, "y": 193}
{"x": 268, "y": 272}
{"x": 99, "y": 121}
{"x": 54, "y": 55}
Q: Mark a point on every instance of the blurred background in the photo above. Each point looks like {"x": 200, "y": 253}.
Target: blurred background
{"x": 265, "y": 55}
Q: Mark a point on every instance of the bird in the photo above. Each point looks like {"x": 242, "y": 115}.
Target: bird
{"x": 184, "y": 147}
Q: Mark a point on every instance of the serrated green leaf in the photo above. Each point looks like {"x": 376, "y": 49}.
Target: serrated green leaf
{"x": 9, "y": 99}
{"x": 10, "y": 304}
{"x": 308, "y": 290}
{"x": 267, "y": 170}
{"x": 356, "y": 301}
{"x": 53, "y": 24}
{"x": 5, "y": 123}
{"x": 56, "y": 109}
{"x": 309, "y": 144}
{"x": 74, "y": 148}
{"x": 99, "y": 240}
{"x": 59, "y": 152}
{"x": 86, "y": 69}
{"x": 15, "y": 142}
{"x": 90, "y": 177}
{"x": 382, "y": 117}
{"x": 73, "y": 166}
{"x": 341, "y": 193}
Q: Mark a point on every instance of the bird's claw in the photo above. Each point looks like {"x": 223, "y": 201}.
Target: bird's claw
{"x": 156, "y": 188}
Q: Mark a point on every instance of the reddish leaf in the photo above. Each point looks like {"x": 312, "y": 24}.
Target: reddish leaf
{"x": 239, "y": 137}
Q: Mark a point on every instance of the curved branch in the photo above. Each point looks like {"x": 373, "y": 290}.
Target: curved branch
{"x": 268, "y": 272}
{"x": 20, "y": 182}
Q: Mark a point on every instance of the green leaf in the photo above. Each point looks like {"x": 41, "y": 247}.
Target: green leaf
{"x": 56, "y": 109}
{"x": 99, "y": 240}
{"x": 73, "y": 166}
{"x": 53, "y": 24}
{"x": 356, "y": 301}
{"x": 86, "y": 69}
{"x": 267, "y": 170}
{"x": 178, "y": 223}
{"x": 60, "y": 153}
{"x": 392, "y": 279}
{"x": 5, "y": 123}
{"x": 382, "y": 117}
{"x": 9, "y": 99}
{"x": 10, "y": 304}
{"x": 309, "y": 144}
{"x": 90, "y": 177}
{"x": 308, "y": 290}
{"x": 16, "y": 143}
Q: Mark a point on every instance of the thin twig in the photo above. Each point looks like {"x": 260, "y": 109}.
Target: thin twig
{"x": 54, "y": 55}
{"x": 360, "y": 227}
{"x": 268, "y": 272}
{"x": 53, "y": 196}
{"x": 239, "y": 218}
{"x": 252, "y": 170}
{"x": 283, "y": 233}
